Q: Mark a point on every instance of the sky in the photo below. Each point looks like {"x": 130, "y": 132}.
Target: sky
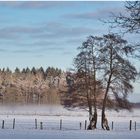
{"x": 48, "y": 33}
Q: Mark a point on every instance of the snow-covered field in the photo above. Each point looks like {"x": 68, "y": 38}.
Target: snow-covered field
{"x": 50, "y": 116}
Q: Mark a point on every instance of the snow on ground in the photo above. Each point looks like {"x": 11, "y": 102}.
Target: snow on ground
{"x": 70, "y": 134}
{"x": 50, "y": 116}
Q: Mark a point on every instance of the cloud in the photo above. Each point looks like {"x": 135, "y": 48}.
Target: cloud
{"x": 46, "y": 45}
{"x": 67, "y": 53}
{"x": 43, "y": 43}
{"x": 51, "y": 4}
{"x": 48, "y": 31}
{"x": 94, "y": 15}
{"x": 74, "y": 41}
{"x": 3, "y": 50}
{"x": 15, "y": 32}
{"x": 36, "y": 4}
{"x": 18, "y": 29}
{"x": 8, "y": 37}
{"x": 38, "y": 55}
{"x": 36, "y": 50}
{"x": 22, "y": 51}
{"x": 46, "y": 36}
{"x": 58, "y": 30}
{"x": 54, "y": 48}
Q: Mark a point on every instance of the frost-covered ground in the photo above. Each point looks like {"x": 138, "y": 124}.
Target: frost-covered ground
{"x": 51, "y": 116}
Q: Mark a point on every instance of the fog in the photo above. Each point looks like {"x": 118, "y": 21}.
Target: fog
{"x": 39, "y": 110}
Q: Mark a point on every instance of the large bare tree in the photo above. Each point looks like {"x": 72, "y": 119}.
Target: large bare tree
{"x": 87, "y": 64}
{"x": 105, "y": 59}
{"x": 118, "y": 72}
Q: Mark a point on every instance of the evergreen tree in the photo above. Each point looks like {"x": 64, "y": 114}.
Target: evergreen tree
{"x": 27, "y": 70}
{"x": 17, "y": 70}
{"x": 8, "y": 70}
{"x": 33, "y": 71}
{"x": 24, "y": 70}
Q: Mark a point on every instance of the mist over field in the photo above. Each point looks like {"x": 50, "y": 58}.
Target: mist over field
{"x": 33, "y": 109}
{"x": 59, "y": 110}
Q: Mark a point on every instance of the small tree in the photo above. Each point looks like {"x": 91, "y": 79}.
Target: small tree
{"x": 17, "y": 71}
{"x": 104, "y": 60}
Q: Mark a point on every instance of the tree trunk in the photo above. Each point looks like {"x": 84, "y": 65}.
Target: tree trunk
{"x": 89, "y": 105}
{"x": 95, "y": 102}
{"x": 92, "y": 117}
{"x": 103, "y": 117}
{"x": 95, "y": 118}
{"x": 94, "y": 90}
{"x": 93, "y": 122}
{"x": 104, "y": 122}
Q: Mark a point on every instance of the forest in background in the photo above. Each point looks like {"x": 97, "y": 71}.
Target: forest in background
{"x": 29, "y": 86}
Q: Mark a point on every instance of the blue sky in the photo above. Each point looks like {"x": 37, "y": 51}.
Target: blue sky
{"x": 48, "y": 33}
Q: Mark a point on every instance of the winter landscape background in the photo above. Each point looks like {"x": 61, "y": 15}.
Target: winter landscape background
{"x": 69, "y": 69}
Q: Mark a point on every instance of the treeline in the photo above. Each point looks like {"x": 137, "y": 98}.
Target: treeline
{"x": 50, "y": 71}
{"x": 30, "y": 85}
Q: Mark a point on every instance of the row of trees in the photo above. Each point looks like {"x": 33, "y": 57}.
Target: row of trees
{"x": 29, "y": 86}
{"x": 50, "y": 71}
{"x": 103, "y": 66}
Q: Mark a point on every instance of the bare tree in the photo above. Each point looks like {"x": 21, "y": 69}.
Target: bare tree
{"x": 117, "y": 71}
{"x": 130, "y": 20}
{"x": 87, "y": 65}
{"x": 82, "y": 67}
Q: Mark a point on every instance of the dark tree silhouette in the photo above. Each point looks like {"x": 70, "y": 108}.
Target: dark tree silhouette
{"x": 130, "y": 21}
{"x": 117, "y": 71}
{"x": 87, "y": 64}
